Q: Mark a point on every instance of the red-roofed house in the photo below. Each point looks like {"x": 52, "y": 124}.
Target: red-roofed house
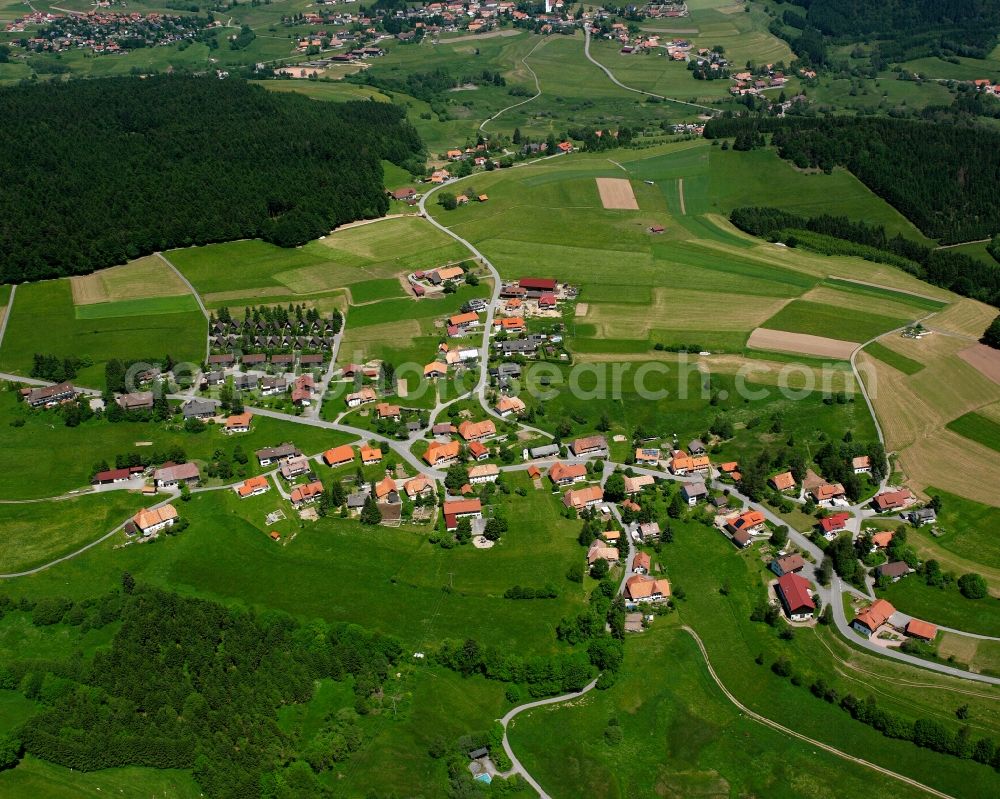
{"x": 793, "y": 592}
{"x": 873, "y": 617}
{"x": 833, "y": 523}
{"x": 460, "y": 509}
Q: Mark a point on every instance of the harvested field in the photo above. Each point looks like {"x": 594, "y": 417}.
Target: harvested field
{"x": 961, "y": 647}
{"x": 983, "y": 359}
{"x": 581, "y": 309}
{"x": 914, "y": 409}
{"x": 800, "y": 344}
{"x": 246, "y": 294}
{"x": 966, "y": 317}
{"x": 860, "y": 302}
{"x": 146, "y": 277}
{"x": 681, "y": 309}
{"x": 617, "y": 194}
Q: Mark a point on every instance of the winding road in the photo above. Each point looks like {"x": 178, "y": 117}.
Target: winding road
{"x": 538, "y": 90}
{"x": 619, "y": 84}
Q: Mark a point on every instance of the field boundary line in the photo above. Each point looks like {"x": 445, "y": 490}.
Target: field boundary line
{"x": 614, "y": 80}
{"x": 680, "y": 195}
{"x": 812, "y": 741}
{"x": 538, "y": 87}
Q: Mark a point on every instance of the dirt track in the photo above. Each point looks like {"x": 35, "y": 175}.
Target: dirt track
{"x": 617, "y": 194}
{"x": 983, "y": 359}
{"x": 800, "y": 344}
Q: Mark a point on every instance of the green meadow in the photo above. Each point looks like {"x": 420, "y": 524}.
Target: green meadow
{"x": 698, "y": 735}
{"x": 846, "y": 324}
{"x": 978, "y": 428}
{"x": 944, "y": 606}
{"x": 35, "y": 533}
{"x": 969, "y": 528}
{"x": 391, "y": 580}
{"x": 44, "y": 320}
{"x": 894, "y": 359}
{"x": 26, "y": 474}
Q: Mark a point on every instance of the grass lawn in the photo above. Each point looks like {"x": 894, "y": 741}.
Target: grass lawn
{"x": 703, "y": 562}
{"x": 894, "y": 359}
{"x": 38, "y": 778}
{"x": 981, "y": 656}
{"x": 969, "y": 528}
{"x": 945, "y": 606}
{"x": 979, "y": 428}
{"x": 681, "y": 737}
{"x": 391, "y": 580}
{"x": 15, "y": 709}
{"x": 26, "y": 474}
{"x": 36, "y": 533}
{"x": 44, "y": 320}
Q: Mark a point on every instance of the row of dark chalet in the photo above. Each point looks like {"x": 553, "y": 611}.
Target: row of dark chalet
{"x": 311, "y": 342}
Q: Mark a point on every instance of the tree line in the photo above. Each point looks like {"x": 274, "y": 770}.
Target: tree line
{"x": 190, "y": 684}
{"x": 939, "y": 176}
{"x": 100, "y": 172}
{"x": 970, "y": 277}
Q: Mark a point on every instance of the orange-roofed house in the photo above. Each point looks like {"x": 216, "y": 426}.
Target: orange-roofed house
{"x": 641, "y": 563}
{"x": 533, "y": 472}
{"x": 729, "y": 467}
{"x": 892, "y": 500}
{"x": 464, "y": 320}
{"x": 642, "y": 588}
{"x": 921, "y": 629}
{"x": 461, "y": 509}
{"x": 513, "y": 304}
{"x": 435, "y": 370}
{"x": 751, "y": 522}
{"x": 563, "y": 474}
{"x": 512, "y": 324}
{"x": 484, "y": 473}
{"x": 449, "y": 272}
{"x": 583, "y": 498}
{"x": 827, "y": 492}
{"x": 633, "y": 485}
{"x": 647, "y": 457}
{"x": 371, "y": 455}
{"x": 883, "y": 539}
{"x": 507, "y": 405}
{"x": 782, "y": 482}
{"x": 462, "y": 199}
{"x": 873, "y": 617}
{"x": 439, "y": 454}
{"x": 862, "y": 464}
{"x": 419, "y": 486}
{"x": 339, "y": 456}
{"x": 386, "y": 411}
{"x": 478, "y": 452}
{"x": 240, "y": 423}
{"x": 477, "y": 431}
{"x": 253, "y": 487}
{"x": 682, "y": 464}
{"x": 454, "y": 155}
{"x": 384, "y": 489}
{"x": 151, "y": 520}
{"x": 303, "y": 495}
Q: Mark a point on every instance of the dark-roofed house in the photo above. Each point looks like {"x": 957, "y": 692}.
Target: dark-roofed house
{"x": 199, "y": 409}
{"x": 788, "y": 564}
{"x": 254, "y": 359}
{"x": 742, "y": 539}
{"x": 793, "y": 593}
{"x": 116, "y": 475}
{"x": 923, "y": 516}
{"x": 174, "y": 475}
{"x": 136, "y": 401}
{"x": 537, "y": 284}
{"x": 893, "y": 570}
{"x": 694, "y": 491}
{"x": 696, "y": 447}
{"x": 50, "y": 395}
{"x": 270, "y": 455}
{"x": 544, "y": 451}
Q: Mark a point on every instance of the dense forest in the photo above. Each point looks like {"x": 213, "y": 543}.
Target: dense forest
{"x": 944, "y": 179}
{"x": 833, "y": 235}
{"x": 904, "y": 29}
{"x": 96, "y": 172}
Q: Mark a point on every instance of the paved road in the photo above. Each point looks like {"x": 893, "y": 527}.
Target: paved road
{"x": 538, "y": 90}
{"x": 82, "y": 549}
{"x": 811, "y": 741}
{"x": 6, "y": 315}
{"x": 192, "y": 289}
{"x": 520, "y": 769}
{"x": 618, "y": 83}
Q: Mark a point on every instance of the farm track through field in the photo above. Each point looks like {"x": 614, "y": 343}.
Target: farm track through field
{"x": 538, "y": 89}
{"x": 811, "y": 741}
{"x": 197, "y": 297}
{"x": 680, "y": 195}
{"x": 618, "y": 83}
{"x": 6, "y": 312}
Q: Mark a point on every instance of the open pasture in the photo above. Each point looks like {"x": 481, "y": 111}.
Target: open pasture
{"x": 45, "y": 320}
{"x": 36, "y": 533}
{"x": 141, "y": 279}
